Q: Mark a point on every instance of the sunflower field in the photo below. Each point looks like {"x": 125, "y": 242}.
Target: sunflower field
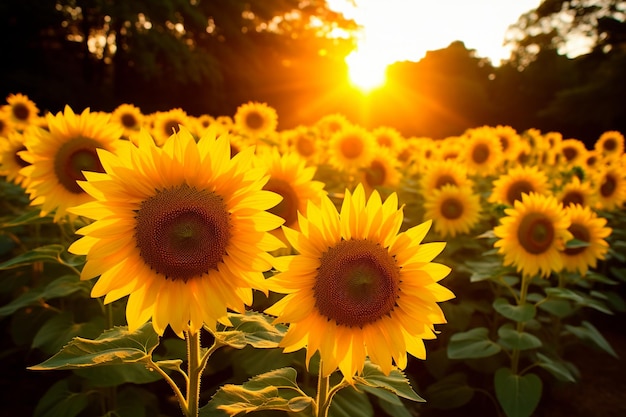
{"x": 165, "y": 264}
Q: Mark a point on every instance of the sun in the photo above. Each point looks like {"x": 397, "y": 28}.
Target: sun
{"x": 366, "y": 70}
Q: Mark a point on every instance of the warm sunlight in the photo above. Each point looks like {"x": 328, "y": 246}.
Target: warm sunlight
{"x": 401, "y": 30}
{"x": 366, "y": 69}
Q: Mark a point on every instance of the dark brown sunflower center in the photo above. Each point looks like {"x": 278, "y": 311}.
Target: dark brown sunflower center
{"x": 535, "y": 233}
{"x": 515, "y": 191}
{"x": 18, "y": 159}
{"x": 305, "y": 146}
{"x": 21, "y": 111}
{"x": 610, "y": 145}
{"x": 129, "y": 120}
{"x": 183, "y": 232}
{"x": 580, "y": 232}
{"x": 288, "y": 207}
{"x": 254, "y": 120}
{"x": 375, "y": 174}
{"x": 451, "y": 208}
{"x": 351, "y": 147}
{"x": 357, "y": 283}
{"x": 572, "y": 198}
{"x": 608, "y": 186}
{"x": 504, "y": 141}
{"x": 570, "y": 153}
{"x": 445, "y": 180}
{"x": 480, "y": 153}
{"x": 591, "y": 161}
{"x": 74, "y": 157}
{"x": 171, "y": 126}
{"x": 384, "y": 141}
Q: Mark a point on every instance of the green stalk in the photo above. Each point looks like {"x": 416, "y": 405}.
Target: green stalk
{"x": 322, "y": 394}
{"x": 195, "y": 372}
{"x": 520, "y": 324}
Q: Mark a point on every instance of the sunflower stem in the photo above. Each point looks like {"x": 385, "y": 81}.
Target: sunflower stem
{"x": 194, "y": 371}
{"x": 322, "y": 393}
{"x": 520, "y": 324}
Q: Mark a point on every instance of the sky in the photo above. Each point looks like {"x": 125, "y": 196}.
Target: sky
{"x": 401, "y": 30}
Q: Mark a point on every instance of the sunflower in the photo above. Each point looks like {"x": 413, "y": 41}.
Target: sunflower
{"x": 509, "y": 140}
{"x": 358, "y": 287}
{"x": 129, "y": 117}
{"x": 439, "y": 173}
{"x": 482, "y": 153}
{"x": 576, "y": 192}
{"x": 330, "y": 124}
{"x": 382, "y": 172}
{"x": 610, "y": 187}
{"x": 23, "y": 111}
{"x": 6, "y": 125}
{"x": 186, "y": 239}
{"x": 610, "y": 145}
{"x": 574, "y": 151}
{"x": 293, "y": 181}
{"x": 351, "y": 148}
{"x": 167, "y": 123}
{"x": 588, "y": 228}
{"x": 255, "y": 119}
{"x": 59, "y": 156}
{"x": 389, "y": 138}
{"x": 509, "y": 187}
{"x": 301, "y": 140}
{"x": 533, "y": 234}
{"x": 11, "y": 161}
{"x": 454, "y": 210}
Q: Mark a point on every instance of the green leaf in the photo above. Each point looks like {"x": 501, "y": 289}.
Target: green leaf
{"x": 579, "y": 298}
{"x": 252, "y": 328}
{"x": 556, "y": 367}
{"x": 556, "y": 307}
{"x": 114, "y": 375}
{"x": 28, "y": 218}
{"x": 576, "y": 243}
{"x": 275, "y": 390}
{"x": 395, "y": 382}
{"x": 518, "y": 395}
{"x": 516, "y": 313}
{"x": 449, "y": 392}
{"x": 48, "y": 253}
{"x": 350, "y": 403}
{"x": 474, "y": 343}
{"x": 113, "y": 347}
{"x": 588, "y": 332}
{"x": 60, "y": 329}
{"x": 59, "y": 400}
{"x": 511, "y": 339}
{"x": 60, "y": 287}
{"x": 393, "y": 409}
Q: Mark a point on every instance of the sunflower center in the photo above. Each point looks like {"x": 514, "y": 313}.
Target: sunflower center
{"x": 74, "y": 157}
{"x": 183, "y": 232}
{"x": 570, "y": 153}
{"x": 305, "y": 146}
{"x": 384, "y": 141}
{"x": 445, "y": 180}
{"x": 254, "y": 120}
{"x": 581, "y": 233}
{"x": 171, "y": 126}
{"x": 128, "y": 121}
{"x": 351, "y": 147}
{"x": 515, "y": 191}
{"x": 357, "y": 283}
{"x": 480, "y": 153}
{"x": 608, "y": 187}
{"x": 573, "y": 198}
{"x": 591, "y": 161}
{"x": 21, "y": 111}
{"x": 535, "y": 233}
{"x": 610, "y": 145}
{"x": 504, "y": 141}
{"x": 18, "y": 159}
{"x": 375, "y": 174}
{"x": 451, "y": 208}
{"x": 288, "y": 207}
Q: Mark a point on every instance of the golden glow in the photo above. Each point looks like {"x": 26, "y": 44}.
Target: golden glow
{"x": 366, "y": 70}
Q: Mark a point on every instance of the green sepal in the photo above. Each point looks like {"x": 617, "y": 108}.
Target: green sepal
{"x": 113, "y": 347}
{"x": 511, "y": 339}
{"x": 274, "y": 390}
{"x": 518, "y": 395}
{"x": 518, "y": 313}
{"x": 474, "y": 343}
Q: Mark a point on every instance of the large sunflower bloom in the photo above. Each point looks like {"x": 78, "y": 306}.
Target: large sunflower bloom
{"x": 610, "y": 145}
{"x": 610, "y": 187}
{"x": 509, "y": 187}
{"x": 129, "y": 117}
{"x": 576, "y": 192}
{"x": 185, "y": 239}
{"x": 454, "y": 210}
{"x": 382, "y": 172}
{"x": 574, "y": 151}
{"x": 438, "y": 173}
{"x": 255, "y": 120}
{"x": 10, "y": 160}
{"x": 22, "y": 110}
{"x": 358, "y": 287}
{"x": 59, "y": 155}
{"x": 588, "y": 228}
{"x": 483, "y": 152}
{"x": 532, "y": 235}
{"x": 167, "y": 123}
{"x": 351, "y": 148}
